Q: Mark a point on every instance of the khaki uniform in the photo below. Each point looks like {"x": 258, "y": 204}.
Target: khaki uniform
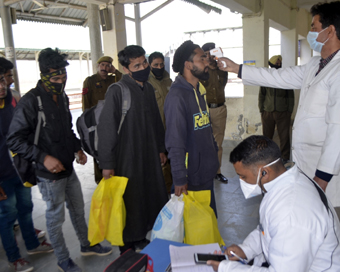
{"x": 218, "y": 111}
{"x": 94, "y": 89}
{"x": 161, "y": 90}
{"x": 276, "y": 107}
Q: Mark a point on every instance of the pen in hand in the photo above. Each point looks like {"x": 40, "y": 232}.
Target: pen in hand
{"x": 238, "y": 257}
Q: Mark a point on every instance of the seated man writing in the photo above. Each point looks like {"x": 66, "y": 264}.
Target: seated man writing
{"x": 298, "y": 229}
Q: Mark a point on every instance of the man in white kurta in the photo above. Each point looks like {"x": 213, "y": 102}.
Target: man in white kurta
{"x": 298, "y": 228}
{"x": 316, "y": 129}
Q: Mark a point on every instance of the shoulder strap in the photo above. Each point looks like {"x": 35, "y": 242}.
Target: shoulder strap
{"x": 41, "y": 117}
{"x": 126, "y": 101}
{"x": 320, "y": 191}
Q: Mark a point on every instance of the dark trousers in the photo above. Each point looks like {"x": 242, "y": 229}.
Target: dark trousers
{"x": 282, "y": 121}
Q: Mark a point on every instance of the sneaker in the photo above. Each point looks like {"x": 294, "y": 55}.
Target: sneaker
{"x": 40, "y": 233}
{"x": 69, "y": 266}
{"x": 44, "y": 247}
{"x": 97, "y": 249}
{"x": 21, "y": 265}
{"x": 140, "y": 245}
{"x": 221, "y": 178}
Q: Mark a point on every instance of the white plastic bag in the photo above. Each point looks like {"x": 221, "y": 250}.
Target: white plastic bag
{"x": 169, "y": 223}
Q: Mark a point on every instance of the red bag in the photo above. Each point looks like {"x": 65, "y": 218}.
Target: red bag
{"x": 131, "y": 261}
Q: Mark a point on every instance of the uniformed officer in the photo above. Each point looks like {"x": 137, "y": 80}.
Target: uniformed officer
{"x": 216, "y": 101}
{"x": 161, "y": 82}
{"x": 94, "y": 89}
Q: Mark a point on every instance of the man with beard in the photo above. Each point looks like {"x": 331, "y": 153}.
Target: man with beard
{"x": 8, "y": 66}
{"x": 276, "y": 107}
{"x": 189, "y": 138}
{"x": 161, "y": 82}
{"x": 216, "y": 98}
{"x": 94, "y": 89}
{"x": 137, "y": 152}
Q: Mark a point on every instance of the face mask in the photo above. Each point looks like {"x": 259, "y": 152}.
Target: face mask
{"x": 274, "y": 65}
{"x": 251, "y": 190}
{"x": 158, "y": 73}
{"x": 313, "y": 43}
{"x": 142, "y": 75}
{"x": 56, "y": 88}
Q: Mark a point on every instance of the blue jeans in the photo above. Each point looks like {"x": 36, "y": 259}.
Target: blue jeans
{"x": 55, "y": 193}
{"x": 18, "y": 205}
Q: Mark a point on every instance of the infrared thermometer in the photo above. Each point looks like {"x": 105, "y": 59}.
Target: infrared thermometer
{"x": 218, "y": 53}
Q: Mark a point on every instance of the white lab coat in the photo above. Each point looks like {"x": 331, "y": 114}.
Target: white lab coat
{"x": 316, "y": 129}
{"x": 298, "y": 233}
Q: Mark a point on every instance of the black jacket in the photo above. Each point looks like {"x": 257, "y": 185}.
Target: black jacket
{"x": 7, "y": 170}
{"x": 56, "y": 138}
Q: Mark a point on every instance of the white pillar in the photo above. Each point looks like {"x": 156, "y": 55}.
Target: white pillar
{"x": 255, "y": 48}
{"x": 305, "y": 52}
{"x": 95, "y": 37}
{"x": 9, "y": 41}
{"x": 138, "y": 25}
{"x": 115, "y": 40}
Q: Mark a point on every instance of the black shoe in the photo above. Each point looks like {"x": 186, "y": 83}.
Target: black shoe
{"x": 126, "y": 246}
{"x": 221, "y": 178}
{"x": 140, "y": 245}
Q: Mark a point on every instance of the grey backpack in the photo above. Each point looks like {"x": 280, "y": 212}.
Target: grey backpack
{"x": 87, "y": 122}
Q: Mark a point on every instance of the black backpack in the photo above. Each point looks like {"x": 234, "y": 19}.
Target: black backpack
{"x": 87, "y": 122}
{"x": 25, "y": 168}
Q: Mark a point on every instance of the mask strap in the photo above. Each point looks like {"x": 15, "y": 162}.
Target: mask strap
{"x": 261, "y": 169}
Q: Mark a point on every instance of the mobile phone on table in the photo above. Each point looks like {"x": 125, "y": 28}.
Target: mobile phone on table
{"x": 202, "y": 258}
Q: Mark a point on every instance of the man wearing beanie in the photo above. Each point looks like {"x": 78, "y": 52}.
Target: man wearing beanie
{"x": 216, "y": 98}
{"x": 94, "y": 89}
{"x": 189, "y": 136}
{"x": 137, "y": 151}
{"x": 161, "y": 82}
{"x": 276, "y": 107}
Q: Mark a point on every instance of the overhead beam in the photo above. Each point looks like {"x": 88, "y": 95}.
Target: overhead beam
{"x": 156, "y": 9}
{"x": 42, "y": 16}
{"x": 98, "y": 2}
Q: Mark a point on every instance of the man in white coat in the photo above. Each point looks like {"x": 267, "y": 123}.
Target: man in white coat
{"x": 298, "y": 228}
{"x": 316, "y": 129}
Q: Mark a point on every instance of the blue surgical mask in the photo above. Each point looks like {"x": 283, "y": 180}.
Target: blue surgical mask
{"x": 313, "y": 43}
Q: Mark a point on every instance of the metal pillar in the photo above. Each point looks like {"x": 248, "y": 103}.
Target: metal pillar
{"x": 138, "y": 25}
{"x": 9, "y": 41}
{"x": 95, "y": 38}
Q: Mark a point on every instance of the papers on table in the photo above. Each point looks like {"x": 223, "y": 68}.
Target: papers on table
{"x": 182, "y": 258}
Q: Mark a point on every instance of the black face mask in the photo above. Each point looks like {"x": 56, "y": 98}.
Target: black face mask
{"x": 274, "y": 66}
{"x": 56, "y": 88}
{"x": 158, "y": 72}
{"x": 142, "y": 75}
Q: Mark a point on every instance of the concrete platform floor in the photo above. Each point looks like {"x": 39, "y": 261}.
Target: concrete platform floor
{"x": 236, "y": 218}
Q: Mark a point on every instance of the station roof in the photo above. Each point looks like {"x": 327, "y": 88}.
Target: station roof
{"x": 70, "y": 12}
{"x": 30, "y": 53}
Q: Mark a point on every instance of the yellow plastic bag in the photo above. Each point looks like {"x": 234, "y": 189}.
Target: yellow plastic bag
{"x": 200, "y": 223}
{"x": 107, "y": 213}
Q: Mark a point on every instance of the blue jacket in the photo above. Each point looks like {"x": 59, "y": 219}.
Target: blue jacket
{"x": 187, "y": 132}
{"x": 7, "y": 170}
